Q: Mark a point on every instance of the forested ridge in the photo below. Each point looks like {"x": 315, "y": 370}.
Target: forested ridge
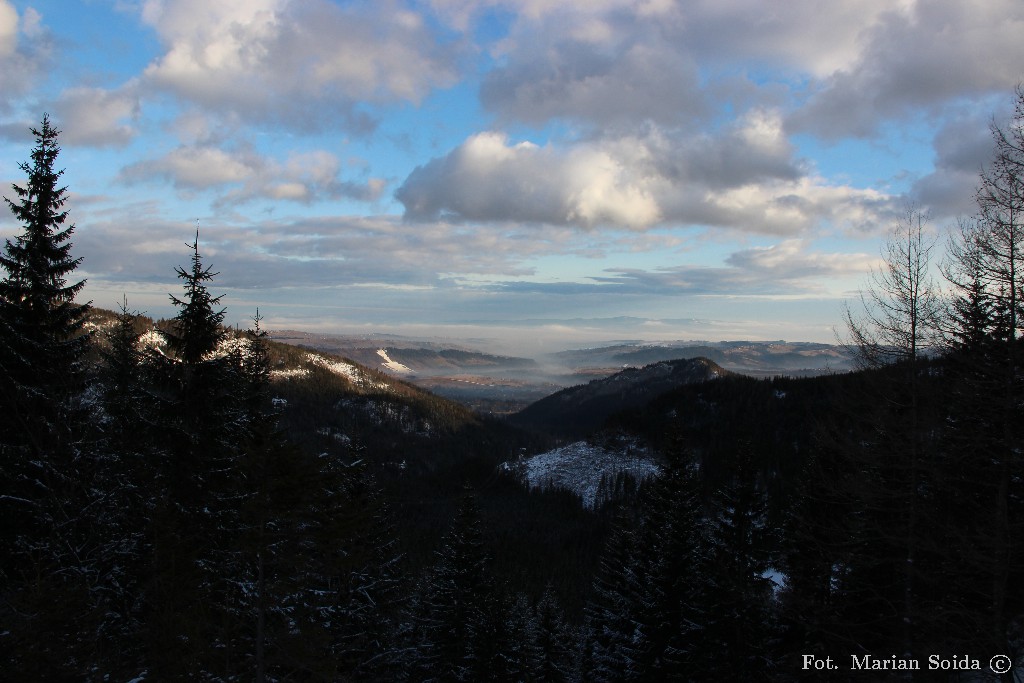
{"x": 184, "y": 501}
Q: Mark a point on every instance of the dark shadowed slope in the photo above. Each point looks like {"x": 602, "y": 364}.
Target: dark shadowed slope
{"x": 578, "y": 410}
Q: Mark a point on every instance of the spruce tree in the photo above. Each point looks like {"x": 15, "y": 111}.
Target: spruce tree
{"x": 985, "y": 327}
{"x": 674, "y": 612}
{"x": 552, "y": 641}
{"x": 125, "y": 398}
{"x": 1001, "y": 245}
{"x": 354, "y": 553}
{"x": 456, "y": 629}
{"x": 41, "y": 325}
{"x": 124, "y": 488}
{"x": 647, "y": 614}
{"x": 198, "y": 327}
{"x": 198, "y": 477}
{"x": 269, "y": 559}
{"x": 48, "y": 562}
{"x": 739, "y": 599}
{"x": 614, "y": 605}
{"x": 199, "y": 385}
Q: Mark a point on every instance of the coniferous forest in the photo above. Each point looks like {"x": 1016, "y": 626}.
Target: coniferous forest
{"x": 185, "y": 509}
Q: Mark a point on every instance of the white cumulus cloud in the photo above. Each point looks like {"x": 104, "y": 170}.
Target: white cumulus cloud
{"x": 746, "y": 179}
{"x": 305, "y": 65}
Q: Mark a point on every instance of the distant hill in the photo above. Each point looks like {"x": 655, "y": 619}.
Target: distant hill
{"x": 430, "y": 360}
{"x": 756, "y": 358}
{"x": 579, "y": 410}
{"x": 483, "y": 381}
{"x": 497, "y": 384}
{"x": 420, "y": 358}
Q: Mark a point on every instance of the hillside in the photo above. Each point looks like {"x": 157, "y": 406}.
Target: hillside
{"x": 579, "y": 410}
{"x": 415, "y": 357}
{"x": 331, "y": 403}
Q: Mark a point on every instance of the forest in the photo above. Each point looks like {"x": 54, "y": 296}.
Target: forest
{"x": 165, "y": 518}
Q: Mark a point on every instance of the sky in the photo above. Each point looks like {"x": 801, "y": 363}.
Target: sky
{"x": 537, "y": 172}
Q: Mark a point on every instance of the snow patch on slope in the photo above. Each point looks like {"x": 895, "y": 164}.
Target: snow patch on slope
{"x": 392, "y": 365}
{"x": 150, "y": 339}
{"x": 347, "y": 370}
{"x": 232, "y": 344}
{"x": 580, "y": 466}
{"x": 289, "y": 373}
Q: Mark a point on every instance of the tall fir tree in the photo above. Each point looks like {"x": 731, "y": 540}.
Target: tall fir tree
{"x": 674, "y": 611}
{"x": 986, "y": 334}
{"x": 199, "y": 386}
{"x": 48, "y": 564}
{"x": 459, "y": 615}
{"x": 739, "y": 600}
{"x": 350, "y": 574}
{"x": 613, "y": 609}
{"x": 123, "y": 505}
{"x": 1001, "y": 216}
{"x": 553, "y": 641}
{"x": 41, "y": 324}
{"x": 197, "y": 389}
{"x": 647, "y": 615}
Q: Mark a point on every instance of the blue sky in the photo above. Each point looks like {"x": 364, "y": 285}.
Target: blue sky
{"x": 536, "y": 171}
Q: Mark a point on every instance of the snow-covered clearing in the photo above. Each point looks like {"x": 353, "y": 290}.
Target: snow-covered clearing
{"x": 580, "y": 466}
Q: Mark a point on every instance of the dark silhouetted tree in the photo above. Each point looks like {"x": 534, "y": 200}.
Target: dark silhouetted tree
{"x": 984, "y": 446}
{"x": 900, "y": 307}
{"x": 740, "y": 623}
{"x": 48, "y": 563}
{"x": 197, "y": 386}
{"x": 41, "y": 324}
{"x": 459, "y": 609}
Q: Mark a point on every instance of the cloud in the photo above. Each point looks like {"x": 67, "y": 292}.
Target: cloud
{"x": 355, "y": 264}
{"x": 8, "y": 29}
{"x": 196, "y": 168}
{"x": 919, "y": 59}
{"x": 616, "y": 62}
{"x": 303, "y": 177}
{"x": 837, "y": 69}
{"x": 304, "y": 65}
{"x": 786, "y": 268}
{"x": 96, "y": 117}
{"x": 801, "y": 36}
{"x": 963, "y": 146}
{"x": 488, "y": 179}
{"x": 381, "y": 251}
{"x": 746, "y": 178}
{"x": 600, "y": 73}
{"x": 25, "y": 50}
{"x": 789, "y": 261}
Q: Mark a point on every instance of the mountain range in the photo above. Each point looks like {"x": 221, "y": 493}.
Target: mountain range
{"x": 466, "y": 372}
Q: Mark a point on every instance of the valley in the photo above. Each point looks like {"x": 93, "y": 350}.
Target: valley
{"x": 467, "y": 371}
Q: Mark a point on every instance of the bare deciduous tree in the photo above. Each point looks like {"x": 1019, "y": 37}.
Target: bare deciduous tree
{"x": 900, "y": 305}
